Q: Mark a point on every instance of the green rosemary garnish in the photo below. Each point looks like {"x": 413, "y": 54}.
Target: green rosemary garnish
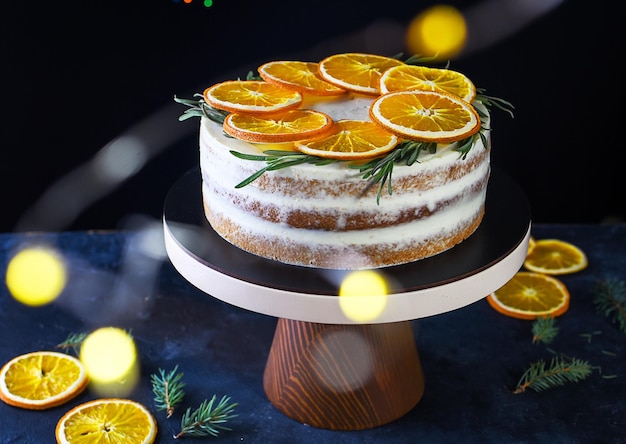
{"x": 73, "y": 342}
{"x": 560, "y": 371}
{"x": 199, "y": 108}
{"x": 610, "y": 300}
{"x": 544, "y": 330}
{"x": 168, "y": 390}
{"x": 207, "y": 420}
{"x": 276, "y": 160}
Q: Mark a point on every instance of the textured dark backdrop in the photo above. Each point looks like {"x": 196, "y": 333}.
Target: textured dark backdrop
{"x": 76, "y": 75}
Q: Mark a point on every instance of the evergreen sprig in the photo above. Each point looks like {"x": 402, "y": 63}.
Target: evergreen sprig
{"x": 207, "y": 420}
{"x": 168, "y": 390}
{"x": 73, "y": 342}
{"x": 540, "y": 377}
{"x": 544, "y": 330}
{"x": 610, "y": 300}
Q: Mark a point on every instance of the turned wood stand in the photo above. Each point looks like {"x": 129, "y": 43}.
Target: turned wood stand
{"x": 323, "y": 368}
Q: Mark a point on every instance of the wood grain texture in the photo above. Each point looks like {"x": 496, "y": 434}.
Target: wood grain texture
{"x": 343, "y": 377}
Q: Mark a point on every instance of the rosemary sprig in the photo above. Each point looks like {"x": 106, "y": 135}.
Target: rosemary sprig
{"x": 610, "y": 300}
{"x": 73, "y": 342}
{"x": 207, "y": 420}
{"x": 380, "y": 169}
{"x": 199, "y": 108}
{"x": 558, "y": 373}
{"x": 168, "y": 390}
{"x": 276, "y": 160}
{"x": 544, "y": 330}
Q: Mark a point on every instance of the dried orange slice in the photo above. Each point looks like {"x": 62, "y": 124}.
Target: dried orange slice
{"x": 107, "y": 420}
{"x": 531, "y": 295}
{"x": 289, "y": 126}
{"x": 299, "y": 76}
{"x": 42, "y": 379}
{"x": 427, "y": 116}
{"x": 408, "y": 77}
{"x": 356, "y": 72}
{"x": 531, "y": 244}
{"x": 350, "y": 140}
{"x": 553, "y": 256}
{"x": 251, "y": 96}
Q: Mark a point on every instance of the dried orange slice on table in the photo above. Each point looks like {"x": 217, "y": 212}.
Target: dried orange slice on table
{"x": 530, "y": 296}
{"x": 553, "y": 256}
{"x": 42, "y": 379}
{"x": 427, "y": 116}
{"x": 356, "y": 72}
{"x": 298, "y": 76}
{"x": 107, "y": 420}
{"x": 350, "y": 140}
{"x": 289, "y": 126}
{"x": 251, "y": 96}
{"x": 408, "y": 77}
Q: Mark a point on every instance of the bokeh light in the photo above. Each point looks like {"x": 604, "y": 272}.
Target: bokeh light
{"x": 109, "y": 355}
{"x": 36, "y": 276}
{"x": 363, "y": 295}
{"x": 439, "y": 32}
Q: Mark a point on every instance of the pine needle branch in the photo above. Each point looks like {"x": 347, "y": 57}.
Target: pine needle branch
{"x": 168, "y": 390}
{"x": 73, "y": 342}
{"x": 538, "y": 377}
{"x": 544, "y": 331}
{"x": 610, "y": 300}
{"x": 207, "y": 420}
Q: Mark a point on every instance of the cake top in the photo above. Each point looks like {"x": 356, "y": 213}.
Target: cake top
{"x": 413, "y": 109}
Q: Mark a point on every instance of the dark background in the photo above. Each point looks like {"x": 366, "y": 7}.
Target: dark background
{"x": 76, "y": 75}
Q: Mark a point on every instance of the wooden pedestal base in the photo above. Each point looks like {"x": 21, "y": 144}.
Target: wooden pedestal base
{"x": 343, "y": 377}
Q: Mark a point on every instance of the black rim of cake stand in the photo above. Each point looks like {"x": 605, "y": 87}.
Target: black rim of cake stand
{"x": 503, "y": 228}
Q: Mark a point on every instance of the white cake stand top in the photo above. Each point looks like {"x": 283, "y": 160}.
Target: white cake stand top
{"x": 451, "y": 280}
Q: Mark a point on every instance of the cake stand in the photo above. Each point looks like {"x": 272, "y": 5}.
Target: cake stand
{"x": 325, "y": 369}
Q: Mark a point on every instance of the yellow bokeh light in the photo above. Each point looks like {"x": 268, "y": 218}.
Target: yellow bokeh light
{"x": 110, "y": 358}
{"x": 36, "y": 276}
{"x": 438, "y": 32}
{"x": 363, "y": 295}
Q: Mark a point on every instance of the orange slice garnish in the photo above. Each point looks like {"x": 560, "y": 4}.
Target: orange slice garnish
{"x": 40, "y": 380}
{"x": 298, "y": 76}
{"x": 289, "y": 126}
{"x": 408, "y": 77}
{"x": 350, "y": 140}
{"x": 531, "y": 295}
{"x": 251, "y": 96}
{"x": 107, "y": 420}
{"x": 426, "y": 116}
{"x": 553, "y": 256}
{"x": 356, "y": 72}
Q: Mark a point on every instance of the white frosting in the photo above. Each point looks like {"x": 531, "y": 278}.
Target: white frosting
{"x": 456, "y": 203}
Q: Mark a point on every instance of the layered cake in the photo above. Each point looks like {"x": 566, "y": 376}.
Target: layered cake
{"x": 336, "y": 211}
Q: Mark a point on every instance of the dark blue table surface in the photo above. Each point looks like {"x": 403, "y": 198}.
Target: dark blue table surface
{"x": 472, "y": 357}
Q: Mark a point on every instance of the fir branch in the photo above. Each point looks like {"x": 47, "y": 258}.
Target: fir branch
{"x": 168, "y": 390}
{"x": 73, "y": 341}
{"x": 199, "y": 108}
{"x": 544, "y": 330}
{"x": 610, "y": 300}
{"x": 560, "y": 371}
{"x": 207, "y": 420}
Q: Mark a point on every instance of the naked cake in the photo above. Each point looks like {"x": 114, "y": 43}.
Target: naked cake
{"x": 422, "y": 195}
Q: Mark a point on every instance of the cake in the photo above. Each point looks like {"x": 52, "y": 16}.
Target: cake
{"x": 326, "y": 214}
